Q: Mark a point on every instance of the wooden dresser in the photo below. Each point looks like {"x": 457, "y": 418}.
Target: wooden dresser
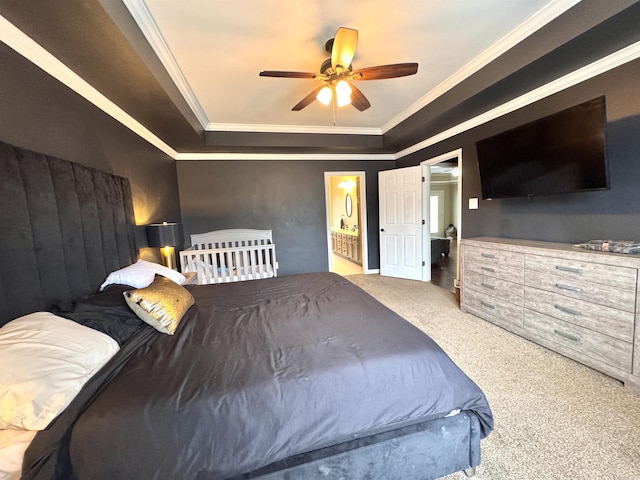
{"x": 580, "y": 303}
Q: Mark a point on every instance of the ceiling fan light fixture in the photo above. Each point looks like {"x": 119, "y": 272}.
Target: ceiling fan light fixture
{"x": 324, "y": 95}
{"x": 343, "y": 93}
{"x": 337, "y": 70}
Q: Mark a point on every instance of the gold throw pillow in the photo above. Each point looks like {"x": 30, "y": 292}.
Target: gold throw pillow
{"x": 162, "y": 304}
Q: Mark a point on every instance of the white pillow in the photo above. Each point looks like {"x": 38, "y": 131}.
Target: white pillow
{"x": 141, "y": 274}
{"x": 45, "y": 362}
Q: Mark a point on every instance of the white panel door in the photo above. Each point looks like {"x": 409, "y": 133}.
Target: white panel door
{"x": 400, "y": 196}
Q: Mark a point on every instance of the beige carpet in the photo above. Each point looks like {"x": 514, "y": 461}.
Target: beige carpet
{"x": 554, "y": 418}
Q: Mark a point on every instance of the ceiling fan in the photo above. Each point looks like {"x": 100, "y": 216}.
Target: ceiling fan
{"x": 336, "y": 73}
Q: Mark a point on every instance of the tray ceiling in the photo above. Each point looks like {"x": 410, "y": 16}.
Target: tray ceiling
{"x": 215, "y": 50}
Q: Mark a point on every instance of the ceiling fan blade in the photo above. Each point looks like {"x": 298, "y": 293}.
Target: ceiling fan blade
{"x": 385, "y": 71}
{"x": 358, "y": 99}
{"x": 307, "y": 100}
{"x": 344, "y": 47}
{"x": 281, "y": 74}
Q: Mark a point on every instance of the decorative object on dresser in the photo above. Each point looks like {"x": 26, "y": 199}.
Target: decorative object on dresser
{"x": 166, "y": 236}
{"x": 579, "y": 303}
{"x": 231, "y": 255}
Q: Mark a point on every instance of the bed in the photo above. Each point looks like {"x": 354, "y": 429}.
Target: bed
{"x": 299, "y": 376}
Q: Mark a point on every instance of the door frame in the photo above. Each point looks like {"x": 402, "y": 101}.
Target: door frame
{"x": 362, "y": 203}
{"x": 426, "y": 238}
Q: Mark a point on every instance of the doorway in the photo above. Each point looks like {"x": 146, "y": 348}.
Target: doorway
{"x": 346, "y": 220}
{"x": 445, "y": 214}
{"x": 409, "y": 208}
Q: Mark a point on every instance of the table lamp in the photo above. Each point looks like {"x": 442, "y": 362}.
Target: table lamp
{"x": 166, "y": 236}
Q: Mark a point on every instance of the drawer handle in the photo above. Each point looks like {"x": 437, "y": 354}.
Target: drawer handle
{"x": 562, "y": 286}
{"x": 488, "y": 269}
{"x": 486, "y": 285}
{"x": 567, "y": 310}
{"x": 568, "y": 269}
{"x": 568, "y": 336}
{"x": 488, "y": 255}
{"x": 488, "y": 305}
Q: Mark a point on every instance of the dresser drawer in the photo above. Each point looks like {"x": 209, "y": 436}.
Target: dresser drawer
{"x": 573, "y": 340}
{"x": 609, "y": 321}
{"x": 621, "y": 278}
{"x": 496, "y": 263}
{"x": 492, "y": 307}
{"x": 504, "y": 289}
{"x": 582, "y": 290}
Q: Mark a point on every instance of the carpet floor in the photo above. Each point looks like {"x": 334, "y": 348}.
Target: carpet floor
{"x": 554, "y": 418}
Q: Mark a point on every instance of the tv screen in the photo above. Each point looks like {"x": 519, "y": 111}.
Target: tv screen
{"x": 564, "y": 152}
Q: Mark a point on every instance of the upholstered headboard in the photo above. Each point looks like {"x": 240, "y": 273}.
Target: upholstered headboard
{"x": 64, "y": 228}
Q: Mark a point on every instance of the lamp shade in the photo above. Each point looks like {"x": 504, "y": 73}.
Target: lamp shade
{"x": 164, "y": 234}
{"x": 324, "y": 95}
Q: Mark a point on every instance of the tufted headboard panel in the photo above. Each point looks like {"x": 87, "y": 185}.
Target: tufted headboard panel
{"x": 64, "y": 228}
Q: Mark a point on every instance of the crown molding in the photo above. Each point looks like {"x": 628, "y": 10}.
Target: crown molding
{"x": 17, "y": 40}
{"x": 261, "y": 128}
{"x": 285, "y": 156}
{"x": 538, "y": 20}
{"x": 29, "y": 49}
{"x": 625, "y": 55}
{"x": 142, "y": 16}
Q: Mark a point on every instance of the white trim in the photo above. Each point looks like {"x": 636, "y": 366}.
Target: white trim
{"x": 457, "y": 153}
{"x": 545, "y": 15}
{"x": 444, "y": 182}
{"x": 142, "y": 16}
{"x": 236, "y": 127}
{"x": 29, "y": 49}
{"x": 598, "y": 67}
{"x": 285, "y": 156}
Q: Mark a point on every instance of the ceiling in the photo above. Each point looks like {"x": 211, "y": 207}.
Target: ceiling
{"x": 185, "y": 75}
{"x": 217, "y": 49}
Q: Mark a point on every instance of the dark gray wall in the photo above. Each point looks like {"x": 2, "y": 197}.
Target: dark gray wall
{"x": 287, "y": 197}
{"x": 573, "y": 217}
{"x": 40, "y": 114}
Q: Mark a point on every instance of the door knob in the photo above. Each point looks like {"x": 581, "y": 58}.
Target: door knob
{"x": 382, "y": 229}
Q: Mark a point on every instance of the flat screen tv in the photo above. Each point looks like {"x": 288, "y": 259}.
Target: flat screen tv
{"x": 561, "y": 153}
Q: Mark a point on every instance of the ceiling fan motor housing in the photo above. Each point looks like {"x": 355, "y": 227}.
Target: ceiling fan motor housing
{"x": 326, "y": 65}
{"x": 328, "y": 45}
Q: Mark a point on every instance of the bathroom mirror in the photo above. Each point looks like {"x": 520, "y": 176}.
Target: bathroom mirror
{"x": 348, "y": 205}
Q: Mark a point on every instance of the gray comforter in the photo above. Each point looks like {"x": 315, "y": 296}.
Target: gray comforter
{"x": 257, "y": 372}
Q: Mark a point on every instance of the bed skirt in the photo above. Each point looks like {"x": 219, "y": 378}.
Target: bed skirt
{"x": 427, "y": 450}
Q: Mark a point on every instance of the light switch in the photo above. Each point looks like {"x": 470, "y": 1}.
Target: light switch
{"x": 473, "y": 204}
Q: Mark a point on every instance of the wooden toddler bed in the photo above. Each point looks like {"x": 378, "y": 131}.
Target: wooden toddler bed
{"x": 232, "y": 255}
